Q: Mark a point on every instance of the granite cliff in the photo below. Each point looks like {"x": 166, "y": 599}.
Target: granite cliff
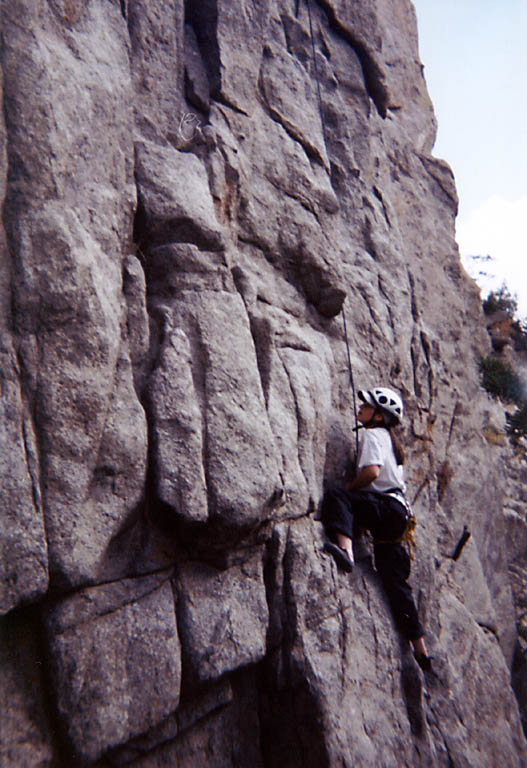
{"x": 191, "y": 194}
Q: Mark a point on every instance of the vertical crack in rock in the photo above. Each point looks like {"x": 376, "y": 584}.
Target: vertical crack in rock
{"x": 412, "y": 689}
{"x": 203, "y": 17}
{"x": 380, "y": 198}
{"x": 415, "y": 365}
{"x": 261, "y": 331}
{"x": 455, "y": 414}
{"x": 299, "y": 419}
{"x": 304, "y": 707}
{"x": 413, "y": 298}
{"x": 373, "y": 76}
{"x": 392, "y": 317}
{"x": 364, "y": 291}
{"x": 29, "y": 730}
{"x": 33, "y": 467}
{"x": 200, "y": 364}
{"x": 197, "y": 88}
{"x": 445, "y": 472}
{"x": 420, "y": 490}
{"x": 427, "y": 349}
{"x": 369, "y": 240}
{"x": 262, "y": 334}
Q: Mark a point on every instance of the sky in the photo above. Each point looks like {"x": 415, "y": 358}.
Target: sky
{"x": 475, "y": 58}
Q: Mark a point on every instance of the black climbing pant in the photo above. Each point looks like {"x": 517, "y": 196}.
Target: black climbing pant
{"x": 385, "y": 518}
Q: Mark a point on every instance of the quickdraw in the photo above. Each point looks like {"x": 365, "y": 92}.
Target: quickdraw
{"x": 408, "y": 536}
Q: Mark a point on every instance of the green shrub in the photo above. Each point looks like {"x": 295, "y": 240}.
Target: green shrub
{"x": 501, "y": 381}
{"x": 502, "y": 299}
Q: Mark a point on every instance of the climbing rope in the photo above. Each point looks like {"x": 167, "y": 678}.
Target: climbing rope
{"x": 324, "y": 133}
{"x": 317, "y": 77}
{"x": 408, "y": 536}
{"x": 352, "y": 383}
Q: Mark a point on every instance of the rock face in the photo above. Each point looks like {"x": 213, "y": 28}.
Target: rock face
{"x": 191, "y": 193}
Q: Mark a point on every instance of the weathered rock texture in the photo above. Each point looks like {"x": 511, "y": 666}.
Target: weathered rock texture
{"x": 185, "y": 213}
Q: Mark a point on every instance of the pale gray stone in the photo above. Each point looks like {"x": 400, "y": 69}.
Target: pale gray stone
{"x": 291, "y": 96}
{"x": 222, "y": 617}
{"x": 23, "y": 546}
{"x": 196, "y": 78}
{"x": 81, "y": 531}
{"x": 231, "y": 40}
{"x": 106, "y": 698}
{"x": 174, "y": 192}
{"x": 237, "y": 428}
{"x": 68, "y": 117}
{"x": 178, "y": 429}
{"x": 156, "y": 33}
{"x": 137, "y": 318}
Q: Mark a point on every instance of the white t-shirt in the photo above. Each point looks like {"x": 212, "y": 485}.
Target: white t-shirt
{"x": 376, "y": 449}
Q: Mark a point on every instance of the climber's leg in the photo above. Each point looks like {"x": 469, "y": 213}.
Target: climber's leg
{"x": 393, "y": 566}
{"x": 337, "y": 517}
{"x": 337, "y": 514}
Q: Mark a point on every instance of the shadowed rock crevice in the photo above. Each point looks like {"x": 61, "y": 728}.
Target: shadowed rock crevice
{"x": 261, "y": 330}
{"x": 413, "y": 692}
{"x": 291, "y": 720}
{"x": 197, "y": 88}
{"x": 30, "y": 727}
{"x": 203, "y": 18}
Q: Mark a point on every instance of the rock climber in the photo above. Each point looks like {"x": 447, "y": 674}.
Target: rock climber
{"x": 375, "y": 500}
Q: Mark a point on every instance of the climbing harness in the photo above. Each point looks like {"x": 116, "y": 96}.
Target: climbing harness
{"x": 408, "y": 535}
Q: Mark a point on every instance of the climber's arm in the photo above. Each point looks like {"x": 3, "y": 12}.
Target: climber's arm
{"x": 366, "y": 476}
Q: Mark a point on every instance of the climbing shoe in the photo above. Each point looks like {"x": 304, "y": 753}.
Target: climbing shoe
{"x": 341, "y": 557}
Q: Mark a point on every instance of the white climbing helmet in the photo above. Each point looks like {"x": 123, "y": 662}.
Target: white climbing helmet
{"x": 385, "y": 399}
